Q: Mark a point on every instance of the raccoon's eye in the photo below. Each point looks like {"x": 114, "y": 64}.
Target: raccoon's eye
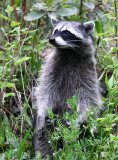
{"x": 66, "y": 32}
{"x": 55, "y": 31}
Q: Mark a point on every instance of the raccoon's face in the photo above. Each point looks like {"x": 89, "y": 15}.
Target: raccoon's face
{"x": 71, "y": 34}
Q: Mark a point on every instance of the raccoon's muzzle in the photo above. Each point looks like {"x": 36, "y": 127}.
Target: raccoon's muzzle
{"x": 52, "y": 40}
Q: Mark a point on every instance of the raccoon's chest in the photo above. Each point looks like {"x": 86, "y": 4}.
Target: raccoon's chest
{"x": 64, "y": 85}
{"x": 66, "y": 80}
{"x": 68, "y": 75}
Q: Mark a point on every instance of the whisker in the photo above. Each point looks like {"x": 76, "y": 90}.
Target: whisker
{"x": 75, "y": 40}
{"x": 76, "y": 47}
{"x": 73, "y": 47}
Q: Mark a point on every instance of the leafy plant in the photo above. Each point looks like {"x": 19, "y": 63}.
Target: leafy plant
{"x": 22, "y": 43}
{"x": 51, "y": 8}
{"x": 95, "y": 141}
{"x": 12, "y": 146}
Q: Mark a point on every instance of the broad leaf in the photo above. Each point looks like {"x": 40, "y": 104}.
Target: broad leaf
{"x": 14, "y": 23}
{"x": 34, "y": 16}
{"x": 9, "y": 9}
{"x": 65, "y": 12}
{"x": 107, "y": 39}
{"x": 69, "y": 2}
{"x": 99, "y": 26}
{"x": 49, "y": 1}
{"x": 21, "y": 60}
{"x": 8, "y": 94}
{"x": 17, "y": 2}
{"x": 6, "y": 18}
{"x": 56, "y": 2}
{"x": 111, "y": 81}
{"x": 89, "y": 5}
{"x": 10, "y": 85}
{"x": 39, "y": 6}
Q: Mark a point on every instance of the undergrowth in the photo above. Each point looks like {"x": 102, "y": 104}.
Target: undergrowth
{"x": 22, "y": 45}
{"x": 97, "y": 139}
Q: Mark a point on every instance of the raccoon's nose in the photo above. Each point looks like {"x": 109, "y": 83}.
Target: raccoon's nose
{"x": 52, "y": 40}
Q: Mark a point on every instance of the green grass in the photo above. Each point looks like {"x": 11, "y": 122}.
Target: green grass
{"x": 21, "y": 57}
{"x": 97, "y": 140}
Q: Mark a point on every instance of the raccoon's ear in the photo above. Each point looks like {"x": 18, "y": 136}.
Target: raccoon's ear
{"x": 89, "y": 26}
{"x": 54, "y": 21}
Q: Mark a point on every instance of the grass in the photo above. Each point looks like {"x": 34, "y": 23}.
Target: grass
{"x": 20, "y": 64}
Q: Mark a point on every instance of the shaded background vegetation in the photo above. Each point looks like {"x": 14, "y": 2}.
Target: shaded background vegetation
{"x": 25, "y": 27}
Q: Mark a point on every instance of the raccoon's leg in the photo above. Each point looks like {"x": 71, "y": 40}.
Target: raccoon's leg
{"x": 82, "y": 118}
{"x": 84, "y": 107}
{"x": 40, "y": 139}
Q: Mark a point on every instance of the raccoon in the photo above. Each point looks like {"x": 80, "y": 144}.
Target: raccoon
{"x": 69, "y": 70}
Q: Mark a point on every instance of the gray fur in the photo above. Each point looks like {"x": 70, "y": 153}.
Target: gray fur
{"x": 69, "y": 70}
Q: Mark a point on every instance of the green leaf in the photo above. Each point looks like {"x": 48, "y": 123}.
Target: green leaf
{"x": 8, "y": 94}
{"x": 9, "y": 85}
{"x": 115, "y": 120}
{"x": 27, "y": 38}
{"x": 108, "y": 129}
{"x": 111, "y": 81}
{"x": 101, "y": 76}
{"x": 113, "y": 138}
{"x": 99, "y": 26}
{"x": 26, "y": 47}
{"x": 65, "y": 12}
{"x": 116, "y": 70}
{"x": 43, "y": 41}
{"x": 106, "y": 81}
{"x": 89, "y": 5}
{"x": 107, "y": 39}
{"x": 50, "y": 1}
{"x": 50, "y": 114}
{"x": 28, "y": 119}
{"x": 101, "y": 119}
{"x": 15, "y": 80}
{"x": 21, "y": 60}
{"x": 1, "y": 52}
{"x": 40, "y": 6}
{"x": 6, "y": 18}
{"x": 48, "y": 24}
{"x": 39, "y": 62}
{"x": 17, "y": 2}
{"x": 115, "y": 49}
{"x": 110, "y": 118}
{"x": 20, "y": 151}
{"x": 9, "y": 9}
{"x": 34, "y": 16}
{"x": 14, "y": 23}
{"x": 56, "y": 2}
{"x": 69, "y": 2}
